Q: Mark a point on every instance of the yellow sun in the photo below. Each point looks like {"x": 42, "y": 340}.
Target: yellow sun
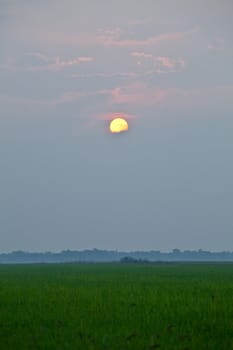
{"x": 118, "y": 125}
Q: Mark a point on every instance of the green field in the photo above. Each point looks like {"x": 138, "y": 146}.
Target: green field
{"x": 116, "y": 306}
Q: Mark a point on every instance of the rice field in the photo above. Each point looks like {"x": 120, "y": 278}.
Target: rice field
{"x": 116, "y": 306}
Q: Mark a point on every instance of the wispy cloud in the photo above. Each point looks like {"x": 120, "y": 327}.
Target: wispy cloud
{"x": 39, "y": 62}
{"x": 112, "y": 115}
{"x": 142, "y": 55}
{"x": 159, "y": 64}
{"x": 137, "y": 94}
{"x": 144, "y": 95}
{"x": 123, "y": 75}
{"x": 75, "y": 96}
{"x": 216, "y": 44}
{"x": 119, "y": 39}
{"x": 112, "y": 37}
{"x": 126, "y": 98}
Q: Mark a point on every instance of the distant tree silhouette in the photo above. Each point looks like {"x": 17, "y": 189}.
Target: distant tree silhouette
{"x": 97, "y": 255}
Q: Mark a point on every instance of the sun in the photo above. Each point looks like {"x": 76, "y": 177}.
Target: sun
{"x": 118, "y": 125}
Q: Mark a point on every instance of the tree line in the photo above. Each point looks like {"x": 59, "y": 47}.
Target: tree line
{"x": 98, "y": 255}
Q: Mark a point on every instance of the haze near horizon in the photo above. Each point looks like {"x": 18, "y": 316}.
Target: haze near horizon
{"x": 67, "y": 68}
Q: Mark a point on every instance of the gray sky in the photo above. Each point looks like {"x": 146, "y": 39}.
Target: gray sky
{"x": 67, "y": 67}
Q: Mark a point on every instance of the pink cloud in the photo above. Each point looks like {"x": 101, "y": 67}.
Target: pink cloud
{"x": 216, "y": 44}
{"x": 85, "y": 59}
{"x": 130, "y": 96}
{"x": 165, "y": 64}
{"x": 116, "y": 37}
{"x": 107, "y": 75}
{"x": 39, "y": 62}
{"x": 159, "y": 64}
{"x": 58, "y": 64}
{"x": 143, "y": 95}
{"x": 142, "y": 55}
{"x": 112, "y": 40}
{"x": 112, "y": 115}
{"x": 137, "y": 94}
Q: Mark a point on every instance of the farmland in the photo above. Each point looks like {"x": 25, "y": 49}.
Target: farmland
{"x": 116, "y": 306}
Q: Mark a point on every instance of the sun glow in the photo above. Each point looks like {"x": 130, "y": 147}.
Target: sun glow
{"x": 118, "y": 125}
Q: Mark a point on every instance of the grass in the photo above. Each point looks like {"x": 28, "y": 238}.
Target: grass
{"x": 116, "y": 306}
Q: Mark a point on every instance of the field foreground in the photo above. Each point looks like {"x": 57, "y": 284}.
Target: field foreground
{"x": 116, "y": 306}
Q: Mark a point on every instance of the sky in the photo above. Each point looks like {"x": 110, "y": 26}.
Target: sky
{"x": 67, "y": 68}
